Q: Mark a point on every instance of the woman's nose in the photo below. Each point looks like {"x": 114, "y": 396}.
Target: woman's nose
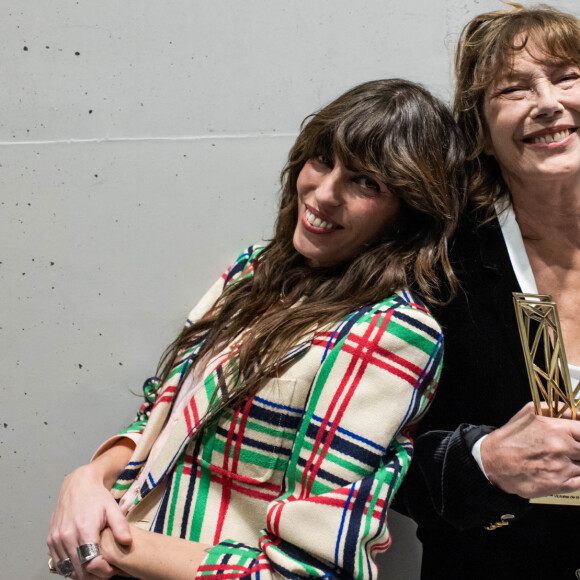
{"x": 547, "y": 102}
{"x": 329, "y": 189}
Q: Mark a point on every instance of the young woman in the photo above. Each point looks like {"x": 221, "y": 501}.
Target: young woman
{"x": 277, "y": 434}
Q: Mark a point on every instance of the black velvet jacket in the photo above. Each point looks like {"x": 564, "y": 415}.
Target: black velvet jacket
{"x": 484, "y": 383}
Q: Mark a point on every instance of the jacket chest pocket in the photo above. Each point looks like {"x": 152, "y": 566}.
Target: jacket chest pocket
{"x": 252, "y": 444}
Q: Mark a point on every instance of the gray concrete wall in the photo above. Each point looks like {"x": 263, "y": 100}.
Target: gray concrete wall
{"x": 140, "y": 146}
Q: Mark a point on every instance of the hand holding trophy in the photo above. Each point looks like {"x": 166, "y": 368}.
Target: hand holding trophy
{"x": 547, "y": 366}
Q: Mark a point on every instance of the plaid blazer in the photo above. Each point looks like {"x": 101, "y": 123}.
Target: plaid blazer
{"x": 297, "y": 481}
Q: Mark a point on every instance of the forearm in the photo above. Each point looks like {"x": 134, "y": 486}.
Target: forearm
{"x": 154, "y": 556}
{"x": 111, "y": 463}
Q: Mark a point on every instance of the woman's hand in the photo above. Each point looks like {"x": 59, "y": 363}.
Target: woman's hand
{"x": 153, "y": 556}
{"x": 85, "y": 508}
{"x": 533, "y": 456}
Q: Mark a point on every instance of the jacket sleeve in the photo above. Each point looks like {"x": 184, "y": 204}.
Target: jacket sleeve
{"x": 445, "y": 485}
{"x": 484, "y": 382}
{"x": 352, "y": 448}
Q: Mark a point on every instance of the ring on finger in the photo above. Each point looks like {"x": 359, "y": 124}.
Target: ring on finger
{"x": 51, "y": 567}
{"x": 65, "y": 567}
{"x": 87, "y": 552}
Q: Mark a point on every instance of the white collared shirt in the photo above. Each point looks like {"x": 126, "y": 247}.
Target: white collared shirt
{"x": 525, "y": 277}
{"x": 520, "y": 262}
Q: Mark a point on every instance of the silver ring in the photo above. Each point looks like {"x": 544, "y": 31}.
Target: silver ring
{"x": 87, "y": 552}
{"x": 65, "y": 567}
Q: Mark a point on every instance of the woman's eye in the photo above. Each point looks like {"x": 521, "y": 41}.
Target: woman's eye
{"x": 569, "y": 77}
{"x": 513, "y": 91}
{"x": 323, "y": 159}
{"x": 368, "y": 183}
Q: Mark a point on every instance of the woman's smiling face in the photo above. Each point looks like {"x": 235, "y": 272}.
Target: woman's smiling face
{"x": 532, "y": 112}
{"x": 340, "y": 212}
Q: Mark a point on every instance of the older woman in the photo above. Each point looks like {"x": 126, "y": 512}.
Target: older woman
{"x": 518, "y": 103}
{"x": 274, "y": 440}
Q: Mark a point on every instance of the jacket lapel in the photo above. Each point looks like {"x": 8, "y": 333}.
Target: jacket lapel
{"x": 186, "y": 425}
{"x": 503, "y": 282}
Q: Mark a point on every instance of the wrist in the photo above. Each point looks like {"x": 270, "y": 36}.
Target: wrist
{"x": 489, "y": 460}
{"x": 106, "y": 543}
{"x": 91, "y": 473}
{"x": 473, "y": 436}
{"x": 111, "y": 550}
{"x": 111, "y": 463}
{"x": 476, "y": 452}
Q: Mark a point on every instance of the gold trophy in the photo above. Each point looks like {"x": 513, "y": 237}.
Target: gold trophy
{"x": 547, "y": 366}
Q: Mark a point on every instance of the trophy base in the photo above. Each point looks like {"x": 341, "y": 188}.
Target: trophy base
{"x": 572, "y": 498}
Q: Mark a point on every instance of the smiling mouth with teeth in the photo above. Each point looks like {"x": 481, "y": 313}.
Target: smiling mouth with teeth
{"x": 317, "y": 222}
{"x": 552, "y": 138}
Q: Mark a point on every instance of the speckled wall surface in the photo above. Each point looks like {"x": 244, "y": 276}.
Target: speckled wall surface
{"x": 140, "y": 146}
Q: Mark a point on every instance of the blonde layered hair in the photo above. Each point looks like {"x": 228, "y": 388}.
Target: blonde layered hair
{"x": 486, "y": 46}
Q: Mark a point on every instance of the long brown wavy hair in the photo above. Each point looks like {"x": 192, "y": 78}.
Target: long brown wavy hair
{"x": 404, "y": 137}
{"x": 487, "y": 44}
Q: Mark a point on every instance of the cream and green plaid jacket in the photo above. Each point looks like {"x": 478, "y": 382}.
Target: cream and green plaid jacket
{"x": 297, "y": 481}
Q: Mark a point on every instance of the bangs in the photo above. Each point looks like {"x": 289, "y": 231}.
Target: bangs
{"x": 359, "y": 143}
{"x": 553, "y": 45}
{"x": 552, "y": 39}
